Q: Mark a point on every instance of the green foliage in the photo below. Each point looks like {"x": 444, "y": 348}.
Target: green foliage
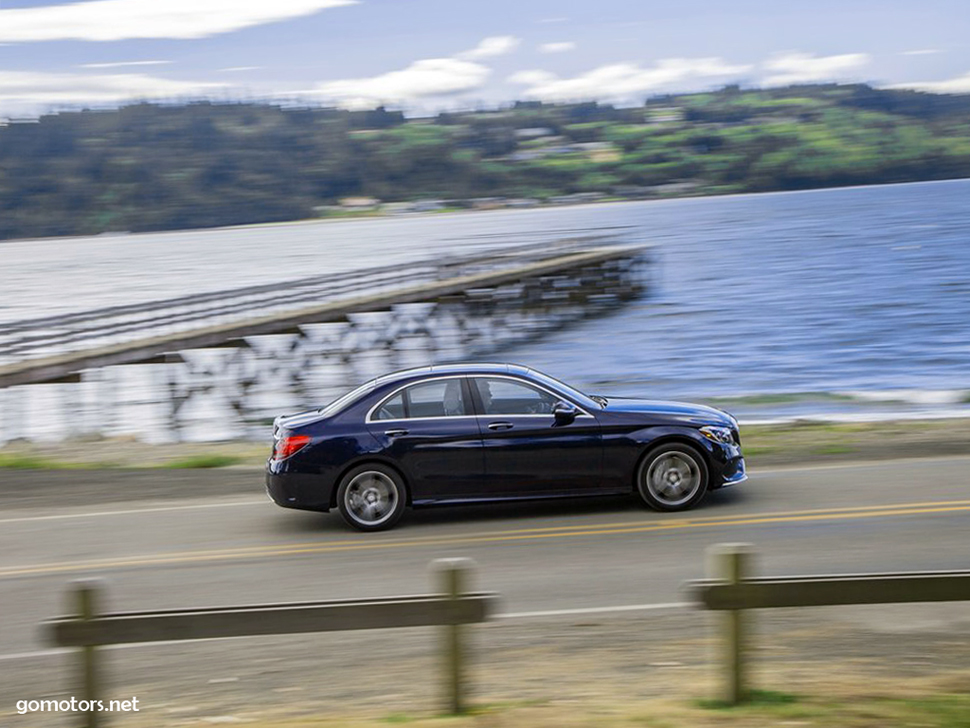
{"x": 755, "y": 698}
{"x": 146, "y": 167}
{"x": 23, "y": 461}
{"x": 214, "y": 460}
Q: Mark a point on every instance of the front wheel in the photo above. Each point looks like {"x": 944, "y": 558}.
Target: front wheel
{"x": 672, "y": 477}
{"x": 371, "y": 497}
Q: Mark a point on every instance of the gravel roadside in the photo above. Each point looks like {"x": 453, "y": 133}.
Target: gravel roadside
{"x": 627, "y": 670}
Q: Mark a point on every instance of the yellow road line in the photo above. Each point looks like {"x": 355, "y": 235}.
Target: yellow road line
{"x": 369, "y": 543}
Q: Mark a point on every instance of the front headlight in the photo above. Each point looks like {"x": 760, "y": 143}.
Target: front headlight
{"x": 718, "y": 434}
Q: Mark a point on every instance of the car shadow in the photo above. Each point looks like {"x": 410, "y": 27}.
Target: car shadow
{"x": 315, "y": 523}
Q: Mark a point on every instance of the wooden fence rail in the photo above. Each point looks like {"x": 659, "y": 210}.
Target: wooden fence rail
{"x": 453, "y": 607}
{"x": 731, "y": 590}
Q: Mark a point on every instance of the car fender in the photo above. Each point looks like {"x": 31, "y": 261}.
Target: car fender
{"x": 650, "y": 437}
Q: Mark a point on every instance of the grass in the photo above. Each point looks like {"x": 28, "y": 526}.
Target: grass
{"x": 807, "y": 441}
{"x": 110, "y": 453}
{"x": 790, "y": 398}
{"x": 213, "y": 460}
{"x": 833, "y": 449}
{"x": 766, "y": 708}
{"x": 770, "y": 708}
{"x": 18, "y": 461}
{"x": 793, "y": 442}
{"x": 755, "y": 698}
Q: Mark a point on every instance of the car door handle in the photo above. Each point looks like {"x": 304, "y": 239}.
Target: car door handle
{"x": 500, "y": 425}
{"x": 395, "y": 433}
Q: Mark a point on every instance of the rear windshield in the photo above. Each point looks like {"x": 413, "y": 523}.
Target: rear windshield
{"x": 340, "y": 404}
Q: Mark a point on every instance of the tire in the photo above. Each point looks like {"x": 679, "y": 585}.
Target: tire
{"x": 371, "y": 497}
{"x": 672, "y": 477}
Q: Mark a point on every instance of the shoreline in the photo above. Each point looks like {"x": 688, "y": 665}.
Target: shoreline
{"x": 359, "y": 217}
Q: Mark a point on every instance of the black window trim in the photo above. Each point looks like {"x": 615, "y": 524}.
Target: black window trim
{"x": 479, "y": 407}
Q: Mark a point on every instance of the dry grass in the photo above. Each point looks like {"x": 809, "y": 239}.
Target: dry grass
{"x": 616, "y": 672}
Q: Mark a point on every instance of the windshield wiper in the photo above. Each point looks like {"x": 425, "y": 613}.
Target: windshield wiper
{"x": 602, "y": 401}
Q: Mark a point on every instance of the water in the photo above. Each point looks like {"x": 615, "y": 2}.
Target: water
{"x": 830, "y": 301}
{"x": 863, "y": 292}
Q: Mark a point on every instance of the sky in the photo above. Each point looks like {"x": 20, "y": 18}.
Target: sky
{"x": 425, "y": 56}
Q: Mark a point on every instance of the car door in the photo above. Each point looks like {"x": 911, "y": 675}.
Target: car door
{"x": 527, "y": 450}
{"x": 429, "y": 429}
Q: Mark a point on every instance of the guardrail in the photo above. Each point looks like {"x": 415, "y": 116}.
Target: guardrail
{"x": 733, "y": 591}
{"x": 453, "y": 607}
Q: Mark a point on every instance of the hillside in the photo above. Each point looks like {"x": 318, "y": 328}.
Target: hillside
{"x": 151, "y": 167}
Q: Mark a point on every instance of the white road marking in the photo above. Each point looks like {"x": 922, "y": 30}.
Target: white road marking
{"x": 132, "y": 511}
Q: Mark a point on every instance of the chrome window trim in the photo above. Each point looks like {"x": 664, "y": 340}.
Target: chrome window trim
{"x": 368, "y": 420}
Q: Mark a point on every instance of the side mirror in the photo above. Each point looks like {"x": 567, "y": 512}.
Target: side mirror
{"x": 564, "y": 412}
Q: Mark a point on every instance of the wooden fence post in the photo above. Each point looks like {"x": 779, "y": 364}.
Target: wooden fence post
{"x": 453, "y": 575}
{"x": 731, "y": 563}
{"x": 87, "y": 600}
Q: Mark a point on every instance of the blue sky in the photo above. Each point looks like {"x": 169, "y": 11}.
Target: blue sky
{"x": 427, "y": 55}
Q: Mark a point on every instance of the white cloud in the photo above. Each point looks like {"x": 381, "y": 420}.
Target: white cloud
{"x": 119, "y": 64}
{"x": 622, "y": 81}
{"x": 922, "y": 52}
{"x": 958, "y": 85}
{"x": 561, "y": 47}
{"x": 422, "y": 79}
{"x": 239, "y": 69}
{"x": 25, "y": 91}
{"x": 497, "y": 45}
{"x": 108, "y": 20}
{"x": 806, "y": 68}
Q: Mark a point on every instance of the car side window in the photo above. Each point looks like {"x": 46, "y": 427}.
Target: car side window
{"x": 507, "y": 397}
{"x": 391, "y": 409}
{"x": 441, "y": 398}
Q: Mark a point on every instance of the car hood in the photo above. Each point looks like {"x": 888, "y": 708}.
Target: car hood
{"x": 680, "y": 411}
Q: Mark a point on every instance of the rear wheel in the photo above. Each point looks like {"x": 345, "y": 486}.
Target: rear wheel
{"x": 371, "y": 497}
{"x": 672, "y": 477}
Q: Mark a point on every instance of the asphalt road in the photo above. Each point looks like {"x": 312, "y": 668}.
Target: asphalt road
{"x": 579, "y": 555}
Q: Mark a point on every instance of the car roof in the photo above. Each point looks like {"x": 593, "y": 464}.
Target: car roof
{"x": 440, "y": 369}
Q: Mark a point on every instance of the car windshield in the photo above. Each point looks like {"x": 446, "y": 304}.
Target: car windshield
{"x": 563, "y": 388}
{"x": 342, "y": 402}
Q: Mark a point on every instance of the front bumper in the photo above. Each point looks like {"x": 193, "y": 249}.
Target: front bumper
{"x": 728, "y": 465}
{"x": 734, "y": 472}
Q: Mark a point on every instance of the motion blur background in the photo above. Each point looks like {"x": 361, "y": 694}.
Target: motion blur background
{"x": 796, "y": 175}
{"x": 121, "y": 118}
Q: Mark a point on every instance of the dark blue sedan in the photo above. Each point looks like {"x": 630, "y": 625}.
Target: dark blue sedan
{"x": 488, "y": 432}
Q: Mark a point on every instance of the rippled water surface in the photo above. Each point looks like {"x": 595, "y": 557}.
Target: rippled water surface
{"x": 826, "y": 291}
{"x": 862, "y": 290}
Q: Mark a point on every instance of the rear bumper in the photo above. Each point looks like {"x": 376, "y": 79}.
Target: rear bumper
{"x": 297, "y": 490}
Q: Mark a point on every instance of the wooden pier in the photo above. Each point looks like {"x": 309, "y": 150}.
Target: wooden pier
{"x": 577, "y": 276}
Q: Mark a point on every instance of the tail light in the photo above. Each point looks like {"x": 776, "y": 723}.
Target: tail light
{"x": 289, "y": 445}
